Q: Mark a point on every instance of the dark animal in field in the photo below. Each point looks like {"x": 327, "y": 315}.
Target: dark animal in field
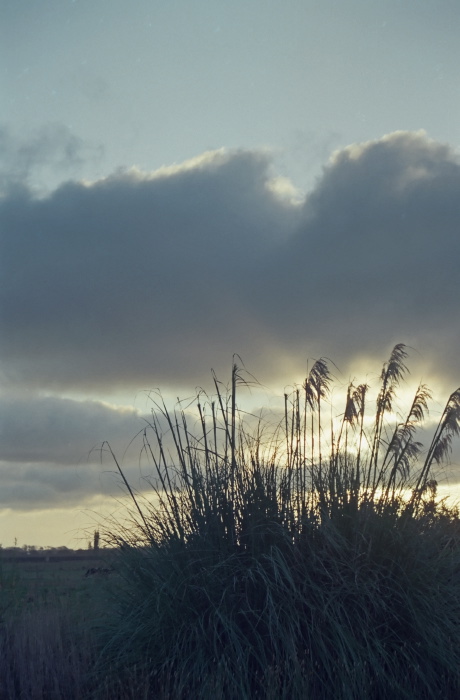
{"x": 99, "y": 571}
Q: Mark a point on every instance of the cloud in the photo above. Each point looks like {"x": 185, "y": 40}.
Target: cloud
{"x": 38, "y": 486}
{"x": 135, "y": 279}
{"x": 61, "y": 431}
{"x": 141, "y": 279}
{"x": 374, "y": 260}
{"x": 54, "y": 450}
{"x": 48, "y": 150}
{"x": 50, "y": 450}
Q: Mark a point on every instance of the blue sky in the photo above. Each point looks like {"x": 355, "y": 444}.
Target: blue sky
{"x": 184, "y": 180}
{"x": 152, "y": 83}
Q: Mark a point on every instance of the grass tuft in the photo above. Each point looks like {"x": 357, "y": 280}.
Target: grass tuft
{"x": 315, "y": 562}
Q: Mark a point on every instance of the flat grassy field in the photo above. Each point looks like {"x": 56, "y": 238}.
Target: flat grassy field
{"x": 60, "y": 580}
{"x": 48, "y": 611}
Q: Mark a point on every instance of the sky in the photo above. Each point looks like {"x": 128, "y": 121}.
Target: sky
{"x": 181, "y": 181}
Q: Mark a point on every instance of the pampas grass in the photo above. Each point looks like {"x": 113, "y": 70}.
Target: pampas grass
{"x": 315, "y": 561}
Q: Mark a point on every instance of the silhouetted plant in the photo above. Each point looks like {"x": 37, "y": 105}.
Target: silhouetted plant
{"x": 271, "y": 567}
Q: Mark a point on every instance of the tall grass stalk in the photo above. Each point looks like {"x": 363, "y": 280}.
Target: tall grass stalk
{"x": 267, "y": 566}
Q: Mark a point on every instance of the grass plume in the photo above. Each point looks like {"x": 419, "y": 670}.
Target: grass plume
{"x": 291, "y": 565}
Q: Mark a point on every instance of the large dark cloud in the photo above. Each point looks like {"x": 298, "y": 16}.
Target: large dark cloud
{"x": 137, "y": 280}
{"x": 141, "y": 280}
{"x": 375, "y": 259}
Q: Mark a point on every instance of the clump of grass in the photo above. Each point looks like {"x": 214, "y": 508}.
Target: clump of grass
{"x": 297, "y": 566}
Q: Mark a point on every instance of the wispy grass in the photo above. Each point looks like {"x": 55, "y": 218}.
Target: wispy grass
{"x": 315, "y": 561}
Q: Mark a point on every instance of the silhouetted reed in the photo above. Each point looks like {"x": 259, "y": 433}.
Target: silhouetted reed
{"x": 314, "y": 560}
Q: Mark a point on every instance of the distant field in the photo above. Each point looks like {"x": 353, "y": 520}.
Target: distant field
{"x": 38, "y": 579}
{"x": 49, "y": 613}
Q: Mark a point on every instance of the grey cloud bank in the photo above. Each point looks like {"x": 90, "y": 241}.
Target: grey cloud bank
{"x": 62, "y": 431}
{"x": 136, "y": 279}
{"x": 139, "y": 280}
{"x": 375, "y": 258}
{"x": 52, "y": 450}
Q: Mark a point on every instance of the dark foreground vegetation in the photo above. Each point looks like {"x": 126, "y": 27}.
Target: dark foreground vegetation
{"x": 312, "y": 561}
